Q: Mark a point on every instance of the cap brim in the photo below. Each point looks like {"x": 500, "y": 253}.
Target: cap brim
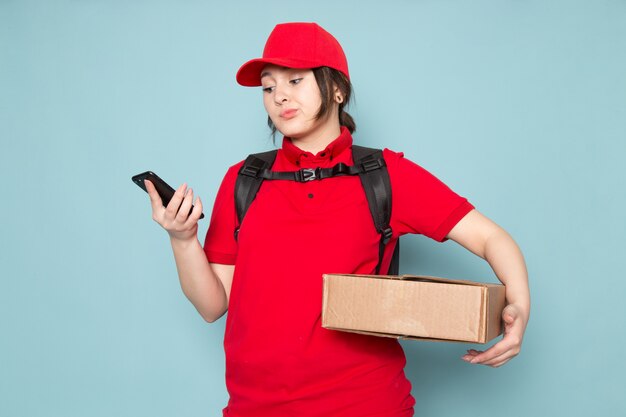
{"x": 249, "y": 75}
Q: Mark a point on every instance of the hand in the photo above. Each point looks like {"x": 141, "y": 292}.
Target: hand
{"x": 175, "y": 218}
{"x": 508, "y": 347}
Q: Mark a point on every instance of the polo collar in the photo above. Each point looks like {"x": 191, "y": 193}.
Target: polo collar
{"x": 332, "y": 151}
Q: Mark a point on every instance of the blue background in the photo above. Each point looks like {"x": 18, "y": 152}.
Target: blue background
{"x": 518, "y": 105}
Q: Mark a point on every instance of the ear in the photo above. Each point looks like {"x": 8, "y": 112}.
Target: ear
{"x": 338, "y": 94}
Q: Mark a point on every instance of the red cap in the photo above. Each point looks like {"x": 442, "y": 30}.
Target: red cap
{"x": 295, "y": 45}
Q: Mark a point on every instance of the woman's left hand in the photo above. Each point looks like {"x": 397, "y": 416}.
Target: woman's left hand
{"x": 510, "y": 345}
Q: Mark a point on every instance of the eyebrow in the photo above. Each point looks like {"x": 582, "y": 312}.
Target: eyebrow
{"x": 269, "y": 74}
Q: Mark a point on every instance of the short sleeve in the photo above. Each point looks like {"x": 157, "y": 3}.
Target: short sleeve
{"x": 220, "y": 245}
{"x": 421, "y": 203}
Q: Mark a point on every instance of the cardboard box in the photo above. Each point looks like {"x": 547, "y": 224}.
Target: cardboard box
{"x": 413, "y": 307}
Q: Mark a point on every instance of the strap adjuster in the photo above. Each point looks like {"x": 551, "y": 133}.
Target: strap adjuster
{"x": 386, "y": 235}
{"x": 372, "y": 164}
{"x": 250, "y": 171}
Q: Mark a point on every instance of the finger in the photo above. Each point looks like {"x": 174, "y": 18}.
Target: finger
{"x": 510, "y": 314}
{"x": 508, "y": 320}
{"x": 499, "y": 364}
{"x": 514, "y": 331}
{"x": 471, "y": 354}
{"x": 152, "y": 192}
{"x": 195, "y": 213}
{"x": 199, "y": 206}
{"x": 500, "y": 360}
{"x": 185, "y": 207}
{"x": 177, "y": 198}
{"x": 155, "y": 201}
{"x": 491, "y": 353}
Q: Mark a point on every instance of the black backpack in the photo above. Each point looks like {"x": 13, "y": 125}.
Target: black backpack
{"x": 369, "y": 165}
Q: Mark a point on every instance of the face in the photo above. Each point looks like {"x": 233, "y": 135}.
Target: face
{"x": 292, "y": 100}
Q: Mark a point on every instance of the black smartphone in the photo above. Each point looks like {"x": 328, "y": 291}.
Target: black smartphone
{"x": 165, "y": 191}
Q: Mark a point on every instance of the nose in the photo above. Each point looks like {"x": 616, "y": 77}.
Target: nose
{"x": 280, "y": 94}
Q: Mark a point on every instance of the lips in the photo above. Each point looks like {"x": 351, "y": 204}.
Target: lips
{"x": 288, "y": 113}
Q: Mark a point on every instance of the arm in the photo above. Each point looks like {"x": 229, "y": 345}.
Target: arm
{"x": 206, "y": 285}
{"x": 486, "y": 239}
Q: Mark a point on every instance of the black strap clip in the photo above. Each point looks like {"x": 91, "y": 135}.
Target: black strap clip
{"x": 307, "y": 174}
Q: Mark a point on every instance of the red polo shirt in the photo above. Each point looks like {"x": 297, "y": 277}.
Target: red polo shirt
{"x": 280, "y": 362}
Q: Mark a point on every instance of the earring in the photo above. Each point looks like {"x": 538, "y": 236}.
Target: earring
{"x": 339, "y": 99}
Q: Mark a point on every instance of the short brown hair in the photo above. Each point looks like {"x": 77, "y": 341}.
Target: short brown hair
{"x": 327, "y": 78}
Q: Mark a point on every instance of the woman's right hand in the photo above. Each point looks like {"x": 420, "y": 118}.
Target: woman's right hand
{"x": 175, "y": 218}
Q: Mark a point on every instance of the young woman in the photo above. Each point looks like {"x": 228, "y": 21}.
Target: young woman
{"x": 279, "y": 360}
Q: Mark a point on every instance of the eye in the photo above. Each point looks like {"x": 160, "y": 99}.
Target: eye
{"x": 295, "y": 81}
{"x": 268, "y": 89}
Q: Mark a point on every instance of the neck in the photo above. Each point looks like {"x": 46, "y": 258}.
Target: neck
{"x": 317, "y": 141}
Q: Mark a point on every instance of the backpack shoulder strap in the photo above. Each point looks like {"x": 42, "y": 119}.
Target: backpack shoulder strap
{"x": 375, "y": 180}
{"x": 249, "y": 181}
{"x": 377, "y": 185}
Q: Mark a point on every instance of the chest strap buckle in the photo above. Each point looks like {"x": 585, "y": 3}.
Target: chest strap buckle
{"x": 307, "y": 174}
